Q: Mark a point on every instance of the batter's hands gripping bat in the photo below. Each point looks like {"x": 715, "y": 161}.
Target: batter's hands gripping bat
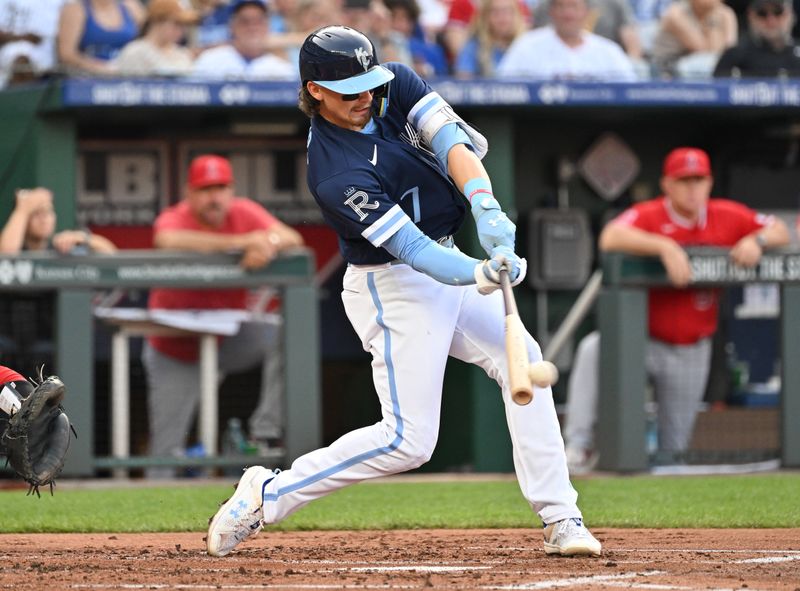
{"x": 516, "y": 349}
{"x": 522, "y": 374}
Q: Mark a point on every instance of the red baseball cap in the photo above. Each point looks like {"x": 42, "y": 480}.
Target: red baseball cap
{"x": 683, "y": 162}
{"x": 208, "y": 169}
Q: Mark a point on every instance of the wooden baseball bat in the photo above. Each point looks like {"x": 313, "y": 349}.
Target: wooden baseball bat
{"x": 516, "y": 349}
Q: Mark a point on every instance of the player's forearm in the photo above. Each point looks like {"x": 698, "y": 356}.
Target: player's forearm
{"x": 198, "y": 241}
{"x": 617, "y": 237}
{"x": 463, "y": 165}
{"x": 446, "y": 265}
{"x": 774, "y": 235}
{"x": 287, "y": 236}
{"x": 13, "y": 236}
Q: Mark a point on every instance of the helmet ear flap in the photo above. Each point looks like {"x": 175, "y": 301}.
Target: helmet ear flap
{"x": 381, "y": 91}
{"x": 380, "y": 98}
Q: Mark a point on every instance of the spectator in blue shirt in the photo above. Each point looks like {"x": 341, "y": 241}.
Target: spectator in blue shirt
{"x": 92, "y": 32}
{"x": 212, "y": 29}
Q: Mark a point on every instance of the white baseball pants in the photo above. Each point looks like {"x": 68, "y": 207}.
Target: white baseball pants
{"x": 410, "y": 323}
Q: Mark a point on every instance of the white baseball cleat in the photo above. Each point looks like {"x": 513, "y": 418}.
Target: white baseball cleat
{"x": 241, "y": 516}
{"x": 569, "y": 537}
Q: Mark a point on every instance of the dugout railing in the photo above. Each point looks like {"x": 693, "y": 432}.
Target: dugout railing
{"x": 622, "y": 321}
{"x": 75, "y": 278}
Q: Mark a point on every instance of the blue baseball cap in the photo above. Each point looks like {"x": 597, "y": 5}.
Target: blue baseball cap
{"x": 236, "y": 5}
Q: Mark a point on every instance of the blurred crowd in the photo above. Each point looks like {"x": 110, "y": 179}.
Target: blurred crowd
{"x": 605, "y": 40}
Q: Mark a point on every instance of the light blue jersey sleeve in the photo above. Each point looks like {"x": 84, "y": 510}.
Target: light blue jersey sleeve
{"x": 446, "y": 265}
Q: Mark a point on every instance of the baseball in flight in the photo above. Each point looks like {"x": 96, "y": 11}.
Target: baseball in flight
{"x": 543, "y": 374}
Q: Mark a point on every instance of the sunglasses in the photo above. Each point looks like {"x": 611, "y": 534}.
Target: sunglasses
{"x": 354, "y": 97}
{"x": 764, "y": 12}
{"x": 377, "y": 92}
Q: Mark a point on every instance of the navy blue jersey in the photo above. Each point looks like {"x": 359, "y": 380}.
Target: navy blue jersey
{"x": 362, "y": 181}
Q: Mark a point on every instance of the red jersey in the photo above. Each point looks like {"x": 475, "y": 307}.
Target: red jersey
{"x": 244, "y": 216}
{"x": 9, "y": 375}
{"x": 684, "y": 316}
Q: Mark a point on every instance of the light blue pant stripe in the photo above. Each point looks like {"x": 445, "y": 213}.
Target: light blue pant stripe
{"x": 387, "y": 348}
{"x": 387, "y": 341}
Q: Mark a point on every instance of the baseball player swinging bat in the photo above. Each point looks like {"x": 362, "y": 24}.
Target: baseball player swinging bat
{"x": 522, "y": 374}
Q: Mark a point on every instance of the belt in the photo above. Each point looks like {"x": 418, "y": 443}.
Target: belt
{"x": 446, "y": 241}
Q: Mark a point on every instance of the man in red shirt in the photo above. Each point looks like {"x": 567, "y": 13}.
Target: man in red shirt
{"x": 211, "y": 219}
{"x": 682, "y": 320}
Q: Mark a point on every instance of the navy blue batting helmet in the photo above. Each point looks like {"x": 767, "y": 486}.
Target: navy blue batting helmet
{"x": 343, "y": 60}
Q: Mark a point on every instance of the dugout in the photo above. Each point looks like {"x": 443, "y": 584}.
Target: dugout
{"x": 114, "y": 153}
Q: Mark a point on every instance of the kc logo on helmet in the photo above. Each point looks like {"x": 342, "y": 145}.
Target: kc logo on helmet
{"x": 363, "y": 58}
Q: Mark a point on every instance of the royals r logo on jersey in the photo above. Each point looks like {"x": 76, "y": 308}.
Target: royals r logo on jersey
{"x": 358, "y": 201}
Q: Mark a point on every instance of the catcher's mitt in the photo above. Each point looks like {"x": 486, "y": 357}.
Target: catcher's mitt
{"x": 38, "y": 435}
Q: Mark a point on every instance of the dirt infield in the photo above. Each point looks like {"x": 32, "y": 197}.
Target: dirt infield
{"x": 423, "y": 559}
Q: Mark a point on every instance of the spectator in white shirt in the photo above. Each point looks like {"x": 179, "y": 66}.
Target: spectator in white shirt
{"x": 27, "y": 38}
{"x": 612, "y": 19}
{"x": 564, "y": 50}
{"x": 246, "y": 56}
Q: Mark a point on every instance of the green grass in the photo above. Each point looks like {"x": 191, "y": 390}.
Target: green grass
{"x": 641, "y": 501}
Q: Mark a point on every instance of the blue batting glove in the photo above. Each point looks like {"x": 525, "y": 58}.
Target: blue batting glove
{"x": 494, "y": 227}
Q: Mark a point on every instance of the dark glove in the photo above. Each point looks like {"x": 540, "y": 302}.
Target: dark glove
{"x": 37, "y": 437}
